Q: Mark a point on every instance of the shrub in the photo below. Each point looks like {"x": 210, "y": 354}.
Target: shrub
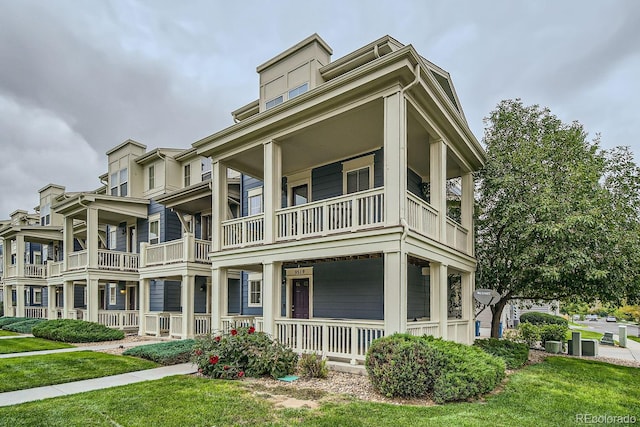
{"x": 9, "y": 320}
{"x": 404, "y": 365}
{"x": 513, "y": 353}
{"x": 69, "y": 330}
{"x": 165, "y": 353}
{"x": 553, "y": 333}
{"x": 536, "y": 318}
{"x": 243, "y": 352}
{"x": 23, "y": 327}
{"x": 312, "y": 365}
{"x": 529, "y": 334}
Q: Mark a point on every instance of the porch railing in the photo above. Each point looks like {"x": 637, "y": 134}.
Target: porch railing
{"x": 421, "y": 216}
{"x": 420, "y": 328}
{"x": 11, "y": 271}
{"x": 458, "y": 330}
{"x": 77, "y": 260}
{"x": 35, "y": 312}
{"x": 54, "y": 269}
{"x": 185, "y": 249}
{"x": 233, "y": 322}
{"x": 175, "y": 325}
{"x": 35, "y": 271}
{"x": 157, "y": 323}
{"x": 202, "y": 324}
{"x": 203, "y": 247}
{"x": 107, "y": 260}
{"x": 457, "y": 235}
{"x": 347, "y": 339}
{"x": 238, "y": 232}
{"x": 352, "y": 212}
{"x": 119, "y": 319}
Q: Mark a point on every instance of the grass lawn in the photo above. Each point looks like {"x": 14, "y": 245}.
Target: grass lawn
{"x": 636, "y": 339}
{"x": 4, "y": 333}
{"x": 20, "y": 373}
{"x": 549, "y": 394}
{"x": 20, "y": 345}
{"x": 585, "y": 334}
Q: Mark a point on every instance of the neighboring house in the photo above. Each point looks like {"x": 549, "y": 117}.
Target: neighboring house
{"x": 337, "y": 209}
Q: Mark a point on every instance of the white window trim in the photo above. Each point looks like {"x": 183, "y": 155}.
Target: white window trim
{"x": 113, "y": 293}
{"x": 153, "y": 218}
{"x": 186, "y": 176}
{"x": 254, "y": 192}
{"x": 113, "y": 237}
{"x": 254, "y": 277}
{"x": 296, "y": 180}
{"x": 298, "y": 273}
{"x": 37, "y": 296}
{"x": 150, "y": 175}
{"x": 296, "y": 88}
{"x": 355, "y": 164}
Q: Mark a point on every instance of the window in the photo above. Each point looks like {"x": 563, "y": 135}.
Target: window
{"x": 114, "y": 184}
{"x": 298, "y": 90}
{"x": 357, "y": 174}
{"x": 205, "y": 227}
{"x": 45, "y": 214}
{"x": 113, "y": 295}
{"x": 37, "y": 258}
{"x": 254, "y": 201}
{"x": 255, "y": 290}
{"x": 113, "y": 236}
{"x": 27, "y": 297}
{"x": 119, "y": 183}
{"x": 206, "y": 168}
{"x": 152, "y": 177}
{"x": 187, "y": 175}
{"x": 275, "y": 101}
{"x": 124, "y": 179}
{"x": 37, "y": 296}
{"x": 154, "y": 231}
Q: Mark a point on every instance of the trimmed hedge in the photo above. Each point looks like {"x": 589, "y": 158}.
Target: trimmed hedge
{"x": 536, "y": 318}
{"x": 9, "y": 320}
{"x": 165, "y": 353}
{"x": 23, "y": 327}
{"x": 70, "y": 330}
{"x": 513, "y": 353}
{"x": 405, "y": 365}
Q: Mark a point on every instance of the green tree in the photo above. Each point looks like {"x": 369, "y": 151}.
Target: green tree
{"x": 546, "y": 229}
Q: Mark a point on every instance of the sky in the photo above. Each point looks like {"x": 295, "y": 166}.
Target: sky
{"x": 79, "y": 77}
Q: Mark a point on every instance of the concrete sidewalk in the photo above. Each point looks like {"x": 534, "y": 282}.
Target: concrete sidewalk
{"x": 29, "y": 395}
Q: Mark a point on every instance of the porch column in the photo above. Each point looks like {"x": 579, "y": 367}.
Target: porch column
{"x": 272, "y": 191}
{"x": 438, "y": 184}
{"x": 219, "y": 287}
{"x": 271, "y": 295}
{"x": 92, "y": 239}
{"x": 20, "y": 301}
{"x": 395, "y": 292}
{"x": 466, "y": 209}
{"x": 438, "y": 283}
{"x": 6, "y": 258}
{"x": 92, "y": 300}
{"x": 467, "y": 305}
{"x": 143, "y": 306}
{"x": 188, "y": 312}
{"x": 67, "y": 244}
{"x": 51, "y": 302}
{"x": 218, "y": 204}
{"x": 68, "y": 300}
{"x": 395, "y": 158}
{"x": 20, "y": 254}
{"x": 6, "y": 300}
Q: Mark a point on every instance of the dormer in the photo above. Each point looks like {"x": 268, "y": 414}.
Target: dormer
{"x": 125, "y": 175}
{"x": 47, "y": 195}
{"x": 293, "y": 72}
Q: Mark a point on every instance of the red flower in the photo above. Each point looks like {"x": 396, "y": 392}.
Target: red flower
{"x": 198, "y": 352}
{"x": 234, "y": 332}
{"x": 213, "y": 360}
{"x": 240, "y": 374}
{"x": 217, "y": 339}
{"x": 252, "y": 330}
{"x": 226, "y": 367}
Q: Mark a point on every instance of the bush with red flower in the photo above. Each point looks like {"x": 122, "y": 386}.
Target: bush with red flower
{"x": 243, "y": 352}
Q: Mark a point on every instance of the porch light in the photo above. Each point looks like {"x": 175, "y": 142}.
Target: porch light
{"x": 203, "y": 288}
{"x": 123, "y": 291}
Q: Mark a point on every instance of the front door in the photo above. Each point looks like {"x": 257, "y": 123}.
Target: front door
{"x": 300, "y": 299}
{"x": 102, "y": 298}
{"x": 132, "y": 244}
{"x": 131, "y": 297}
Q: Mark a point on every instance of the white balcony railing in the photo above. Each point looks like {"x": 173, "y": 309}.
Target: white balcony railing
{"x": 77, "y": 260}
{"x": 202, "y": 324}
{"x": 35, "y": 312}
{"x": 421, "y": 216}
{"x": 238, "y": 232}
{"x": 107, "y": 260}
{"x": 333, "y": 338}
{"x": 156, "y": 323}
{"x": 420, "y": 328}
{"x": 203, "y": 247}
{"x": 335, "y": 215}
{"x": 233, "y": 322}
{"x": 119, "y": 319}
{"x": 11, "y": 271}
{"x": 175, "y": 325}
{"x": 458, "y": 330}
{"x": 35, "y": 271}
{"x": 186, "y": 249}
{"x": 457, "y": 235}
{"x": 54, "y": 269}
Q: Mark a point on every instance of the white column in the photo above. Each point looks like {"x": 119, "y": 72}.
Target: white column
{"x": 6, "y": 301}
{"x": 6, "y": 258}
{"x": 92, "y": 239}
{"x": 271, "y": 295}
{"x": 51, "y": 302}
{"x": 20, "y": 300}
{"x": 438, "y": 184}
{"x": 438, "y": 284}
{"x": 395, "y": 158}
{"x": 218, "y": 204}
{"x": 218, "y": 297}
{"x": 92, "y": 300}
{"x": 467, "y": 305}
{"x": 67, "y": 244}
{"x": 272, "y": 191}
{"x": 395, "y": 292}
{"x": 466, "y": 208}
{"x": 68, "y": 298}
{"x": 20, "y": 254}
{"x": 143, "y": 306}
{"x": 187, "y": 287}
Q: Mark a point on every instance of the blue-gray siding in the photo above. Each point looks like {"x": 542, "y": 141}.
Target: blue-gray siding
{"x": 414, "y": 182}
{"x": 417, "y": 293}
{"x": 200, "y": 295}
{"x": 234, "y": 300}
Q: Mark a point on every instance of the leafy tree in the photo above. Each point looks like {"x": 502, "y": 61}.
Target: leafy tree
{"x": 546, "y": 218}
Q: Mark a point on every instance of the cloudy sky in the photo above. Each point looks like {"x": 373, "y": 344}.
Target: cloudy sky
{"x": 79, "y": 77}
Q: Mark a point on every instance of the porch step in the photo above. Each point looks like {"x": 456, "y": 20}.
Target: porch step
{"x": 347, "y": 367}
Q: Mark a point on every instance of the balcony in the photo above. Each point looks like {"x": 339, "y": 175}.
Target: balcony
{"x": 186, "y": 249}
{"x": 33, "y": 271}
{"x": 107, "y": 260}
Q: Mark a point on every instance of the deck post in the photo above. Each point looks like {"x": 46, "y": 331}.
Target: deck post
{"x": 271, "y": 282}
{"x": 187, "y": 288}
{"x": 68, "y": 299}
{"x": 466, "y": 209}
{"x": 143, "y": 305}
{"x": 218, "y": 204}
{"x": 272, "y": 192}
{"x": 219, "y": 286}
{"x": 51, "y": 302}
{"x": 92, "y": 239}
{"x": 92, "y": 300}
{"x": 395, "y": 292}
{"x": 20, "y": 302}
{"x": 438, "y": 185}
{"x": 395, "y": 158}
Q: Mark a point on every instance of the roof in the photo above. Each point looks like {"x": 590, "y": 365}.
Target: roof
{"x": 311, "y": 39}
{"x": 128, "y": 141}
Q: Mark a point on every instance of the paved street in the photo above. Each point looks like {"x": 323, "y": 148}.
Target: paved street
{"x": 602, "y": 326}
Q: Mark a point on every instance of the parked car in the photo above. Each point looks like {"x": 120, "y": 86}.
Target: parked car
{"x": 591, "y": 317}
{"x": 611, "y": 319}
{"x": 576, "y": 317}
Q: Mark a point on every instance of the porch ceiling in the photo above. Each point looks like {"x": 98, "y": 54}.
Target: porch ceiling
{"x": 193, "y": 199}
{"x": 111, "y": 209}
{"x": 35, "y": 234}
